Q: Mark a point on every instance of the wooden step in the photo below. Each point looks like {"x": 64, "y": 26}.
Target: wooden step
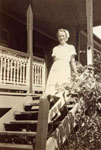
{"x": 28, "y": 115}
{"x": 21, "y": 125}
{"x": 18, "y": 133}
{"x": 33, "y": 103}
{"x": 31, "y": 108}
{"x": 35, "y": 108}
{"x": 24, "y": 122}
{"x": 36, "y": 97}
{"x": 17, "y": 137}
{"x": 7, "y": 146}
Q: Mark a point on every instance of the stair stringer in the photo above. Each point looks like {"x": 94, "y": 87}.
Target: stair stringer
{"x": 61, "y": 133}
{"x": 10, "y": 114}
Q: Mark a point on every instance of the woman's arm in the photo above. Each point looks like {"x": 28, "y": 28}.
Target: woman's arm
{"x": 54, "y": 54}
{"x": 73, "y": 64}
{"x": 54, "y": 59}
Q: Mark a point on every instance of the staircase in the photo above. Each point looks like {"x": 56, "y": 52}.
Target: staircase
{"x": 19, "y": 131}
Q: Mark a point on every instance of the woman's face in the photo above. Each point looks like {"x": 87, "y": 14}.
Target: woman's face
{"x": 62, "y": 37}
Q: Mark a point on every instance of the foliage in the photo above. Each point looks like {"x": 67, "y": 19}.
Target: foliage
{"x": 87, "y": 133}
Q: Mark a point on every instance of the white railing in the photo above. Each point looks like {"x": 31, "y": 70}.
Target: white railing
{"x": 14, "y": 70}
{"x": 39, "y": 77}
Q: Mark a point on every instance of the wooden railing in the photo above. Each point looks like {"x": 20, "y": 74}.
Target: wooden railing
{"x": 38, "y": 73}
{"x": 62, "y": 132}
{"x": 14, "y": 70}
{"x": 45, "y": 116}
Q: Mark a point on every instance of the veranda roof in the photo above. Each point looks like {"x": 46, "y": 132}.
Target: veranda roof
{"x": 49, "y": 15}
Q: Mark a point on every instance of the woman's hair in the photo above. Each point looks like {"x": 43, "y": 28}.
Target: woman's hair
{"x": 65, "y": 31}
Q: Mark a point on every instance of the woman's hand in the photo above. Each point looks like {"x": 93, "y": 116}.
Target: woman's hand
{"x": 75, "y": 75}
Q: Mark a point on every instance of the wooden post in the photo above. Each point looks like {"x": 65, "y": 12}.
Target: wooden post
{"x": 30, "y": 45}
{"x": 42, "y": 127}
{"x": 89, "y": 13}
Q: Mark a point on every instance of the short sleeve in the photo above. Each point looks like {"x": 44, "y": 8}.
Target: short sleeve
{"x": 53, "y": 52}
{"x": 73, "y": 51}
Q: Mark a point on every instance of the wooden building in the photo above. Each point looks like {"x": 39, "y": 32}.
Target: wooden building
{"x": 28, "y": 34}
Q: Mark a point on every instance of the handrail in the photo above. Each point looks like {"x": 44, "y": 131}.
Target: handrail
{"x": 45, "y": 116}
{"x": 12, "y": 51}
{"x": 57, "y": 107}
{"x": 61, "y": 133}
{"x": 19, "y": 53}
{"x": 96, "y": 50}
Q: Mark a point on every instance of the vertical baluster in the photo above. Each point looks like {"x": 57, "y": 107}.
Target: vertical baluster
{"x": 4, "y": 73}
{"x": 33, "y": 67}
{"x": 11, "y": 70}
{"x": 41, "y": 76}
{"x": 35, "y": 75}
{"x": 17, "y": 73}
{"x": 14, "y": 79}
{"x": 1, "y": 68}
{"x": 26, "y": 65}
{"x": 8, "y": 68}
{"x": 24, "y": 73}
{"x": 27, "y": 74}
{"x": 21, "y": 72}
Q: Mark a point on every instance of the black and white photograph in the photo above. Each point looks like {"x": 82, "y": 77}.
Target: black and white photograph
{"x": 50, "y": 74}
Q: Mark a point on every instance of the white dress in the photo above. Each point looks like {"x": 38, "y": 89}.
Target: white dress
{"x": 60, "y": 72}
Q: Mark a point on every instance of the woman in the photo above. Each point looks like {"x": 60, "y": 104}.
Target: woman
{"x": 63, "y": 64}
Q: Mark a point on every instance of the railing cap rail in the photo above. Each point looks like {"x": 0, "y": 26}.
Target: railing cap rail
{"x": 19, "y": 53}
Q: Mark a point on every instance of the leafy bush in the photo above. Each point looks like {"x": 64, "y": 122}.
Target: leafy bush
{"x": 87, "y": 133}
